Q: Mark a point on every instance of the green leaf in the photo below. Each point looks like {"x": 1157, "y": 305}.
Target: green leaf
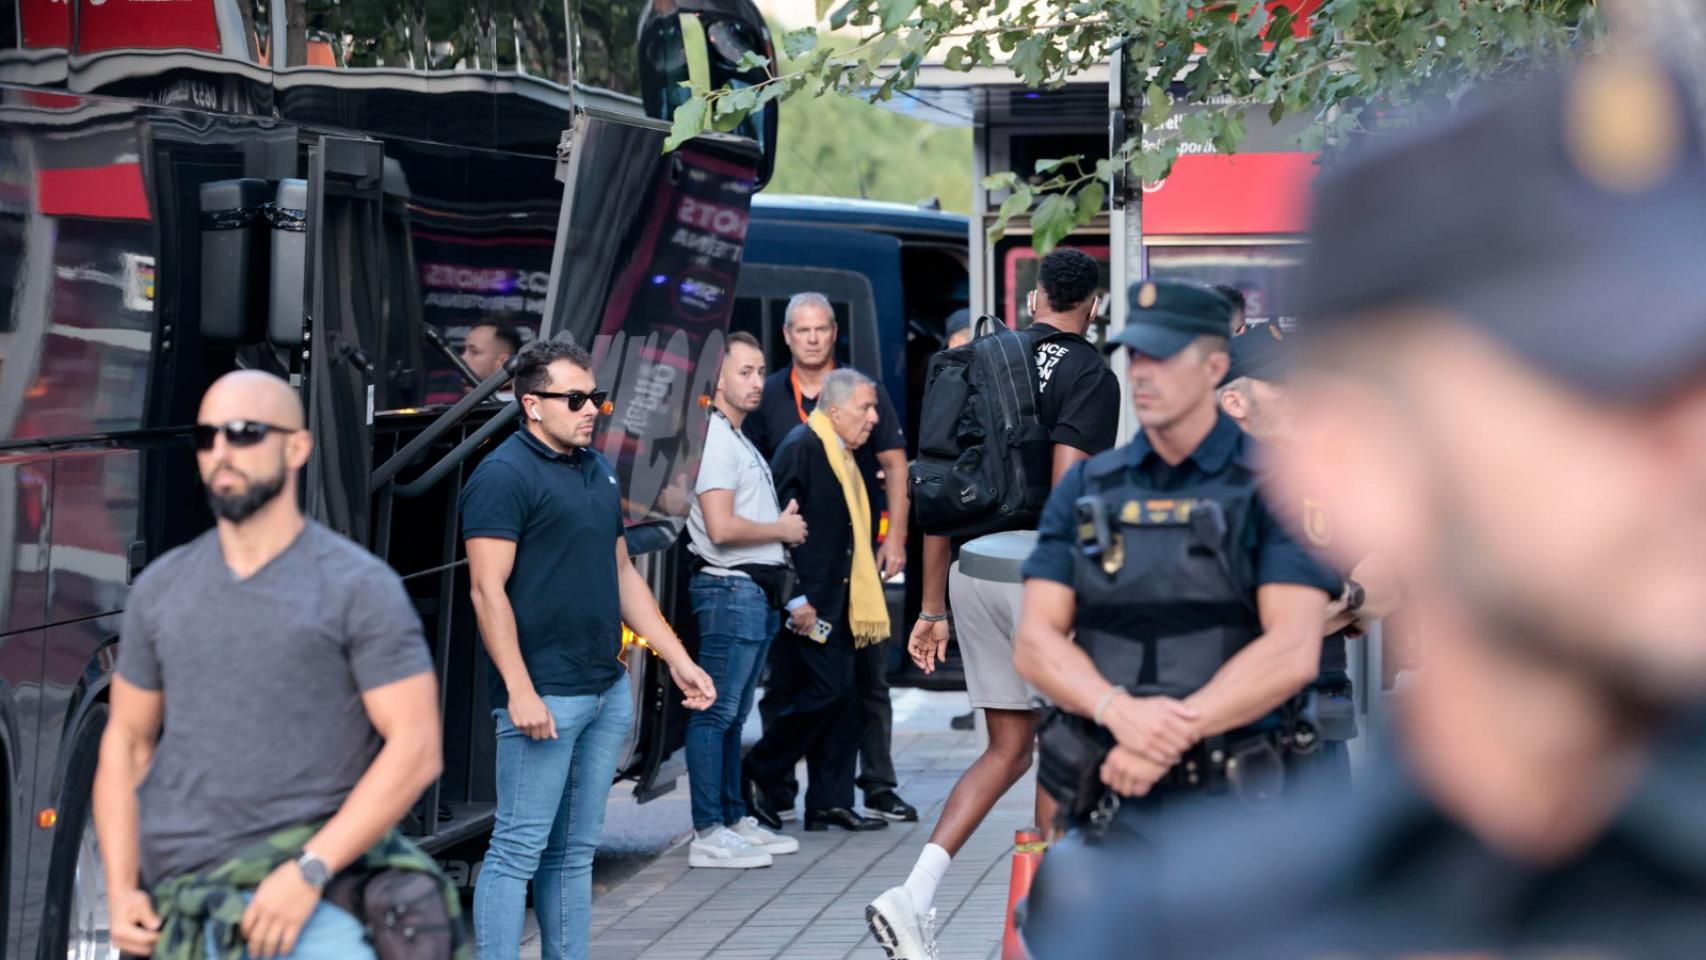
{"x": 1013, "y": 206}
{"x": 689, "y": 122}
{"x": 1050, "y": 166}
{"x": 839, "y": 18}
{"x": 698, "y": 55}
{"x": 798, "y": 43}
{"x": 1276, "y": 113}
{"x": 1053, "y": 222}
{"x": 1156, "y": 106}
{"x": 823, "y": 8}
{"x": 1090, "y": 201}
{"x": 1006, "y": 180}
{"x": 895, "y": 12}
{"x": 1149, "y": 9}
{"x": 752, "y": 60}
{"x": 956, "y": 59}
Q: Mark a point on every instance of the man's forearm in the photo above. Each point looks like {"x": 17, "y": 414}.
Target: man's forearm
{"x": 735, "y": 530}
{"x": 1262, "y": 676}
{"x": 122, "y": 766}
{"x": 406, "y": 765}
{"x": 938, "y": 556}
{"x": 496, "y": 619}
{"x": 1048, "y": 658}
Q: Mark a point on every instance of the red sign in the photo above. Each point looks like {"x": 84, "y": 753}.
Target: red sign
{"x": 1221, "y": 195}
{"x": 147, "y": 25}
{"x": 114, "y": 192}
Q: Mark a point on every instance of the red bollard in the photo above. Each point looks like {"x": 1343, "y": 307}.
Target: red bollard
{"x": 1028, "y": 847}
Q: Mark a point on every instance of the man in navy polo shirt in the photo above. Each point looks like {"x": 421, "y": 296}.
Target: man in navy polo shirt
{"x": 552, "y": 586}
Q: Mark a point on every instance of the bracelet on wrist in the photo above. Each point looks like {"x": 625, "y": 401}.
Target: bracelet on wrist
{"x": 933, "y": 617}
{"x": 1102, "y": 705}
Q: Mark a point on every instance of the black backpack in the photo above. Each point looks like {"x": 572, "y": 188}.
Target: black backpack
{"x": 984, "y": 457}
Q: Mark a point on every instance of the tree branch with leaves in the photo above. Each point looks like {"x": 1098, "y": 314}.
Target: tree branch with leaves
{"x": 1345, "y": 65}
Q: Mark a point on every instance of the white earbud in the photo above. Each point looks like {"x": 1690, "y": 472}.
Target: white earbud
{"x": 536, "y": 415}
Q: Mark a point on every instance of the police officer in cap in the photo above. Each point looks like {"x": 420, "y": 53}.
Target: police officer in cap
{"x": 1501, "y": 389}
{"x": 1167, "y": 614}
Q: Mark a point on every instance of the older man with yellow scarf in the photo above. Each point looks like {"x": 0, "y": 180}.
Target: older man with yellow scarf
{"x": 838, "y": 608}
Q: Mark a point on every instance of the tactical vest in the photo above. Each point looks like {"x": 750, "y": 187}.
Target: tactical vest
{"x": 1165, "y": 586}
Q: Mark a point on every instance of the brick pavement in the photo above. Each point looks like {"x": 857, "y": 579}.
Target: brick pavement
{"x": 811, "y": 905}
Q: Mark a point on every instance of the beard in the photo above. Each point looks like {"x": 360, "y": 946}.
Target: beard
{"x": 238, "y": 507}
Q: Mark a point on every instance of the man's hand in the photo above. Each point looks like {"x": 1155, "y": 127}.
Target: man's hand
{"x": 282, "y": 904}
{"x": 793, "y": 525}
{"x": 928, "y": 644}
{"x": 529, "y": 714}
{"x": 1158, "y": 729}
{"x": 135, "y": 926}
{"x": 891, "y": 557}
{"x": 802, "y": 618}
{"x": 1129, "y": 774}
{"x": 697, "y": 691}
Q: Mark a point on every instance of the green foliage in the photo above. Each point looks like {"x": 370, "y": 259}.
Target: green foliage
{"x": 1361, "y": 57}
{"x": 839, "y": 146}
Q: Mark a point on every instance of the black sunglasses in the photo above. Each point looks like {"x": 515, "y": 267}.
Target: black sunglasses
{"x": 238, "y": 433}
{"x": 576, "y": 398}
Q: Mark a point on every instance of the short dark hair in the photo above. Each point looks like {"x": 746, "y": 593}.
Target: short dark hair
{"x": 531, "y": 375}
{"x": 501, "y": 332}
{"x": 1067, "y": 277}
{"x": 1231, "y": 293}
{"x": 745, "y": 339}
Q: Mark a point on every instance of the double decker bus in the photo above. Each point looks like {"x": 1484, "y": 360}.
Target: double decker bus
{"x": 330, "y": 190}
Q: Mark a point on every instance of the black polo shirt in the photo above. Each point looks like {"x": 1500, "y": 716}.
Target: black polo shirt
{"x": 564, "y": 513}
{"x": 1276, "y": 555}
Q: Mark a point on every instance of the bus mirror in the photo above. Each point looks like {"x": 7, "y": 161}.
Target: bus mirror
{"x": 230, "y": 215}
{"x": 288, "y": 214}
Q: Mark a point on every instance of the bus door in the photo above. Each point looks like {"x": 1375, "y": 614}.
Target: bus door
{"x": 644, "y": 274}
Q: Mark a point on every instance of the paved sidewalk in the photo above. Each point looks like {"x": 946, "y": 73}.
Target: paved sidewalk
{"x": 811, "y": 905}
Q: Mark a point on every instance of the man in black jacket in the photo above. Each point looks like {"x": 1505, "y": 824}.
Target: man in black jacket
{"x": 837, "y": 610}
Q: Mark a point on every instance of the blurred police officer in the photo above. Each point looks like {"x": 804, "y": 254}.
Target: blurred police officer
{"x": 1255, "y": 396}
{"x": 1510, "y": 379}
{"x": 1167, "y": 614}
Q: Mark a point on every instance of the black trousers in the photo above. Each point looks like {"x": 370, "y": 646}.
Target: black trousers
{"x": 820, "y": 721}
{"x": 876, "y": 758}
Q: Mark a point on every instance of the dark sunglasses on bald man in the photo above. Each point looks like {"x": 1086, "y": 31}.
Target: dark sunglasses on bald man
{"x": 238, "y": 433}
{"x": 576, "y": 398}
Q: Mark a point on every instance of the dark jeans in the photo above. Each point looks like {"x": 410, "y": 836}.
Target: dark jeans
{"x": 736, "y": 623}
{"x": 876, "y": 760}
{"x": 820, "y": 720}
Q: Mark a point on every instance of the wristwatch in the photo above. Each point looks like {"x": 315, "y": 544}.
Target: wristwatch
{"x": 314, "y": 870}
{"x": 1352, "y": 596}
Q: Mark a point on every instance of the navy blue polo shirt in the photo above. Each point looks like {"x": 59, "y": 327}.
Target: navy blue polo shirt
{"x": 564, "y": 513}
{"x": 1277, "y": 556}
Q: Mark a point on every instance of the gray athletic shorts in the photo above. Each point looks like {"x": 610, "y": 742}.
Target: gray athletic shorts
{"x": 986, "y": 619}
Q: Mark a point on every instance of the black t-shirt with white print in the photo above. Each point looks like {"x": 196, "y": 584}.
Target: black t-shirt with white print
{"x": 1080, "y": 396}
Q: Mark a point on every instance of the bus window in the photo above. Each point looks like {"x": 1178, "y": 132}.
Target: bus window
{"x": 1267, "y": 273}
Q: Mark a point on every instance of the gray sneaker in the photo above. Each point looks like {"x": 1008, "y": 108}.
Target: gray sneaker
{"x": 899, "y": 929}
{"x": 749, "y": 830}
{"x": 727, "y": 850}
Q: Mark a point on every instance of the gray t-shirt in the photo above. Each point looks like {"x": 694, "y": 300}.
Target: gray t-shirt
{"x": 731, "y": 462}
{"x": 264, "y": 726}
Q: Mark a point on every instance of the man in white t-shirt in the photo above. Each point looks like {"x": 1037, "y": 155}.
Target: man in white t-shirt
{"x": 738, "y": 532}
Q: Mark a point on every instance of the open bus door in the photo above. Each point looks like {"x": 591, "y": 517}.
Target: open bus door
{"x": 643, "y": 275}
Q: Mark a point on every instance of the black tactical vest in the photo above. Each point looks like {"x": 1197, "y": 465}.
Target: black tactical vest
{"x": 1165, "y": 582}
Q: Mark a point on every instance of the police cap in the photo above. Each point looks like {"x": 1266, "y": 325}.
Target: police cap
{"x": 958, "y": 320}
{"x": 1564, "y": 220}
{"x": 1167, "y": 316}
{"x": 1259, "y": 354}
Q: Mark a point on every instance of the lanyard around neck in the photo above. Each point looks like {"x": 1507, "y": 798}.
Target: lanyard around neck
{"x": 799, "y": 403}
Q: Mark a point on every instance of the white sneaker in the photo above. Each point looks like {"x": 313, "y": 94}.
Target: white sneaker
{"x": 749, "y": 830}
{"x": 728, "y": 850}
{"x": 898, "y": 928}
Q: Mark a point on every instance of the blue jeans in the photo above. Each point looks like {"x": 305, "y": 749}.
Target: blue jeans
{"x": 329, "y": 934}
{"x": 551, "y": 797}
{"x": 736, "y": 623}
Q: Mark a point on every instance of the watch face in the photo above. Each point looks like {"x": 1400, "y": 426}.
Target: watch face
{"x": 313, "y": 870}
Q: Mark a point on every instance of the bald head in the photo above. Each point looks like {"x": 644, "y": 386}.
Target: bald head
{"x": 252, "y": 395}
{"x": 259, "y": 444}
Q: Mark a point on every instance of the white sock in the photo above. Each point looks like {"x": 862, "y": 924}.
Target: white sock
{"x": 926, "y": 874}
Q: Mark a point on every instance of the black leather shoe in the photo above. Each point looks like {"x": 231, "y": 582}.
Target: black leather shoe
{"x": 758, "y": 805}
{"x": 841, "y": 817}
{"x": 890, "y": 806}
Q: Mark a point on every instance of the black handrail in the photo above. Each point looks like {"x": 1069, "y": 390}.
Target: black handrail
{"x": 437, "y": 340}
{"x": 449, "y": 461}
{"x": 446, "y": 420}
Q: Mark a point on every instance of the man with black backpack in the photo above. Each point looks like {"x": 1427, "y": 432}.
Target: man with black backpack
{"x": 1070, "y": 413}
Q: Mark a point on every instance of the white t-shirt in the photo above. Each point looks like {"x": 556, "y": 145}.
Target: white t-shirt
{"x": 731, "y": 462}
